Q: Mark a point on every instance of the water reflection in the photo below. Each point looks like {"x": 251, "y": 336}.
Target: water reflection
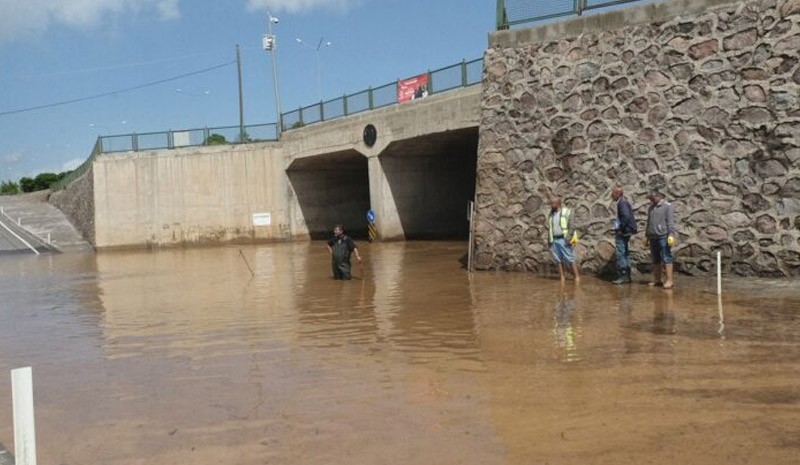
{"x": 181, "y": 356}
{"x": 564, "y": 329}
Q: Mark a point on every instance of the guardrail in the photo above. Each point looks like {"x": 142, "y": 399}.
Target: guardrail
{"x": 137, "y": 142}
{"x": 77, "y": 172}
{"x": 170, "y": 140}
{"x": 455, "y": 76}
{"x": 463, "y": 74}
{"x": 514, "y": 12}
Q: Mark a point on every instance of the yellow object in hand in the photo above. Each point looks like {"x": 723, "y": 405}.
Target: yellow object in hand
{"x": 574, "y": 240}
{"x": 670, "y": 241}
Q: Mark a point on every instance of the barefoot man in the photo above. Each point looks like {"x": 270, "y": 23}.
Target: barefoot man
{"x": 660, "y": 237}
{"x": 562, "y": 238}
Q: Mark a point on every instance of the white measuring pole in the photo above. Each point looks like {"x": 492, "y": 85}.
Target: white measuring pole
{"x": 719, "y": 273}
{"x": 24, "y": 430}
{"x": 470, "y": 216}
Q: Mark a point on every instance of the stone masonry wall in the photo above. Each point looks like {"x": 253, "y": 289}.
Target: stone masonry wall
{"x": 77, "y": 202}
{"x": 703, "y": 107}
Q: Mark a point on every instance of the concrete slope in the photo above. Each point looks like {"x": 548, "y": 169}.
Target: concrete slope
{"x": 15, "y": 239}
{"x": 40, "y": 218}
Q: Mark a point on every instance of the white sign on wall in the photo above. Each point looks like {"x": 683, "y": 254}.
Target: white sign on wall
{"x": 181, "y": 139}
{"x": 262, "y": 219}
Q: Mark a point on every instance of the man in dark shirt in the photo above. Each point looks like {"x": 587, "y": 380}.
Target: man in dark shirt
{"x": 624, "y": 228}
{"x": 340, "y": 247}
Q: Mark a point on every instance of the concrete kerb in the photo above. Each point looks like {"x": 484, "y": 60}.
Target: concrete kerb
{"x": 42, "y": 243}
{"x": 601, "y": 22}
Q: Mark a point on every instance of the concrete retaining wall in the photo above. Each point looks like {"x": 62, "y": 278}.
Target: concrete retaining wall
{"x": 190, "y": 196}
{"x": 698, "y": 98}
{"x": 314, "y": 177}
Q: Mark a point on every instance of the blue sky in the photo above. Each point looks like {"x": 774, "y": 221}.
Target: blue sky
{"x": 55, "y": 50}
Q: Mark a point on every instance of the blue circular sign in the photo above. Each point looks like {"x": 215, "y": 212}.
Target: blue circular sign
{"x": 371, "y": 216}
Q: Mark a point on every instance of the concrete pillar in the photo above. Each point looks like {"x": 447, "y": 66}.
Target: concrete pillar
{"x": 387, "y": 220}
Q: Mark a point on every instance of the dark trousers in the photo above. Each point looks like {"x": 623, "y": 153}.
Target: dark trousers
{"x": 341, "y": 269}
{"x": 623, "y": 252}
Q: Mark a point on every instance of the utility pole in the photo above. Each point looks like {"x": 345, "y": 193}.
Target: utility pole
{"x": 241, "y": 100}
{"x": 270, "y": 45}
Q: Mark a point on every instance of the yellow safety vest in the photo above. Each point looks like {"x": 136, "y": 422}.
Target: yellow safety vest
{"x": 564, "y": 220}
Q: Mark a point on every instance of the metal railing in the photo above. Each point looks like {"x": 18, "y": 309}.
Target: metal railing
{"x": 514, "y": 12}
{"x": 77, "y": 172}
{"x": 172, "y": 139}
{"x": 463, "y": 74}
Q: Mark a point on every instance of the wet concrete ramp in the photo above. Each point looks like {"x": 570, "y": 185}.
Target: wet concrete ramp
{"x": 33, "y": 218}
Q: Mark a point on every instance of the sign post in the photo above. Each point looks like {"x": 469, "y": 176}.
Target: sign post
{"x": 373, "y": 233}
{"x": 470, "y": 251}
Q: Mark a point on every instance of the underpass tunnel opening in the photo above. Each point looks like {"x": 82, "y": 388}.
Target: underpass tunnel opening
{"x": 432, "y": 180}
{"x": 332, "y": 189}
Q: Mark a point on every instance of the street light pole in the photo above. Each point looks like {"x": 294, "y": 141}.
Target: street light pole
{"x": 319, "y": 71}
{"x": 269, "y": 45}
{"x": 317, "y": 61}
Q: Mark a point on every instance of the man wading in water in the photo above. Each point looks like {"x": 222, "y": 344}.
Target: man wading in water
{"x": 340, "y": 247}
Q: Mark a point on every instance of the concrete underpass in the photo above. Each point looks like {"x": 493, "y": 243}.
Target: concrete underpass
{"x": 431, "y": 179}
{"x": 330, "y": 189}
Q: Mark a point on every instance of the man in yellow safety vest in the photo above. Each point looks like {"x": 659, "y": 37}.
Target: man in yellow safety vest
{"x": 562, "y": 237}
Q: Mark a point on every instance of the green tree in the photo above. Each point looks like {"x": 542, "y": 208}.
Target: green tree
{"x": 297, "y": 125}
{"x": 26, "y": 184}
{"x": 246, "y": 139}
{"x": 215, "y": 139}
{"x": 9, "y": 188}
{"x": 42, "y": 181}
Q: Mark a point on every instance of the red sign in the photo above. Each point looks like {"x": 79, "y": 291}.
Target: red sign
{"x": 412, "y": 88}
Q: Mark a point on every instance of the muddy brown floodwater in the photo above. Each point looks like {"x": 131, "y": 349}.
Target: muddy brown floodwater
{"x": 180, "y": 357}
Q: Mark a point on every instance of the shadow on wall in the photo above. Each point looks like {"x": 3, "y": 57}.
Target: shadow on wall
{"x": 432, "y": 179}
{"x": 331, "y": 189}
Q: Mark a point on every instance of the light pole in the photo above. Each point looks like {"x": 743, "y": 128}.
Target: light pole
{"x": 269, "y": 44}
{"x": 319, "y": 67}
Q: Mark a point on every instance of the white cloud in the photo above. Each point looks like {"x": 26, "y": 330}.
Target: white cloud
{"x": 300, "y": 6}
{"x": 26, "y": 18}
{"x": 13, "y": 157}
{"x": 168, "y": 9}
{"x": 71, "y": 164}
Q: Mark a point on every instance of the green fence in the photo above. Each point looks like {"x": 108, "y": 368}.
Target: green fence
{"x": 463, "y": 74}
{"x": 79, "y": 171}
{"x": 514, "y": 12}
{"x": 172, "y": 139}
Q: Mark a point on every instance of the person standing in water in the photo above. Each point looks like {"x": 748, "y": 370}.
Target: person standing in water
{"x": 660, "y": 237}
{"x": 624, "y": 228}
{"x": 562, "y": 238}
{"x": 341, "y": 247}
